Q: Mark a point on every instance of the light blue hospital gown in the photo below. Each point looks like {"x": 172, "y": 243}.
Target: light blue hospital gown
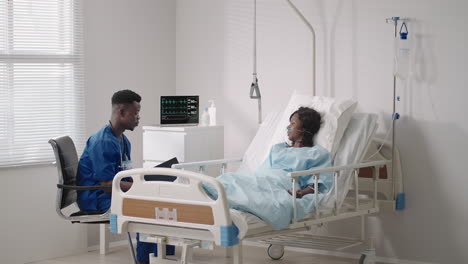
{"x": 264, "y": 192}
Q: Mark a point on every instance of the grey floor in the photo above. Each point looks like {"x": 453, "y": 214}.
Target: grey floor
{"x": 257, "y": 255}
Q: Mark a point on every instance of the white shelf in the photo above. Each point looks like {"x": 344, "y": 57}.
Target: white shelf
{"x": 187, "y": 143}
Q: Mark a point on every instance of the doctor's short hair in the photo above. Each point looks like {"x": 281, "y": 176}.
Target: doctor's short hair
{"x": 311, "y": 123}
{"x": 125, "y": 97}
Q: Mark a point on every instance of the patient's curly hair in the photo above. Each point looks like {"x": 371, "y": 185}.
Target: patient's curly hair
{"x": 311, "y": 123}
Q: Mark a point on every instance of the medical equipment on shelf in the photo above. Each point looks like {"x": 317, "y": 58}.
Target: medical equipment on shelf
{"x": 179, "y": 110}
{"x": 181, "y": 213}
{"x": 212, "y": 112}
{"x": 205, "y": 117}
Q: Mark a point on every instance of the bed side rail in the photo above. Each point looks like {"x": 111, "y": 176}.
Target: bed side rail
{"x": 166, "y": 203}
{"x": 375, "y": 165}
{"x": 203, "y": 164}
{"x": 314, "y": 171}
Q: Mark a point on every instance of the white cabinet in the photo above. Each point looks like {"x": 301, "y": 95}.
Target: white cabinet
{"x": 187, "y": 143}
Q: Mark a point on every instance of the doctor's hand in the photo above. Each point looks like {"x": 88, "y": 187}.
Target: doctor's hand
{"x": 299, "y": 193}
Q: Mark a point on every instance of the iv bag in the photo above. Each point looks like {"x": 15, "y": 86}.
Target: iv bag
{"x": 402, "y": 56}
{"x": 403, "y": 60}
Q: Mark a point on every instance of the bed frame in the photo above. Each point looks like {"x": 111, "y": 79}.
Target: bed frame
{"x": 181, "y": 213}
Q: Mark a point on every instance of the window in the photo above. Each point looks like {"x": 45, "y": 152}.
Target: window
{"x": 41, "y": 78}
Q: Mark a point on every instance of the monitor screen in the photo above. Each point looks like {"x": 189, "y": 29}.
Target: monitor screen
{"x": 179, "y": 110}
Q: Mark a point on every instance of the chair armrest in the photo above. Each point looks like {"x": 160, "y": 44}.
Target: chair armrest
{"x": 204, "y": 163}
{"x": 84, "y": 188}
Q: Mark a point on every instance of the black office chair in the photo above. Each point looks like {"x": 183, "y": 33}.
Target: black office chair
{"x": 67, "y": 167}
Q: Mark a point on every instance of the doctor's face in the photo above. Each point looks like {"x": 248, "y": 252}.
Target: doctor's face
{"x": 131, "y": 116}
{"x": 295, "y": 128}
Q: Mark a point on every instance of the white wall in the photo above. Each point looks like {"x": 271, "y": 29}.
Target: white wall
{"x": 354, "y": 54}
{"x": 199, "y": 34}
{"x": 29, "y": 220}
{"x": 128, "y": 45}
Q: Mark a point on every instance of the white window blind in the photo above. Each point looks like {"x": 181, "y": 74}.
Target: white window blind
{"x": 41, "y": 78}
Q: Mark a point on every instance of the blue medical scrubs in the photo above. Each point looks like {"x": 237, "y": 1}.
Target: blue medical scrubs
{"x": 103, "y": 157}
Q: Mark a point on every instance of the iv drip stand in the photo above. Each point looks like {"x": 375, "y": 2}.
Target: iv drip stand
{"x": 395, "y": 115}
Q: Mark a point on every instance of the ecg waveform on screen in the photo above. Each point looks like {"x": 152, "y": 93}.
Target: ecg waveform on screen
{"x": 179, "y": 109}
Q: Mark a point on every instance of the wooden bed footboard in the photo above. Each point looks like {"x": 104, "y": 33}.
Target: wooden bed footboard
{"x": 187, "y": 213}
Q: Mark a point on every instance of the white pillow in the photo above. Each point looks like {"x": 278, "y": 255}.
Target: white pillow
{"x": 335, "y": 112}
{"x": 259, "y": 148}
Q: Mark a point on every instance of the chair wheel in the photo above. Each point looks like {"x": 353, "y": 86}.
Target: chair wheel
{"x": 275, "y": 252}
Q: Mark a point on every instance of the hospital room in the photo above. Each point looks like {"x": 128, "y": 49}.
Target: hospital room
{"x": 235, "y": 131}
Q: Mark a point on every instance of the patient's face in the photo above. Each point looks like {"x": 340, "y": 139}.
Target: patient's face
{"x": 295, "y": 128}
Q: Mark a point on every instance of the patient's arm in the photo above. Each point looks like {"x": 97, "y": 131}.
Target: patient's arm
{"x": 306, "y": 190}
{"x": 125, "y": 186}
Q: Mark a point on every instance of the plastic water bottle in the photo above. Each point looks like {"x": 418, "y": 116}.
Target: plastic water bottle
{"x": 205, "y": 117}
{"x": 212, "y": 112}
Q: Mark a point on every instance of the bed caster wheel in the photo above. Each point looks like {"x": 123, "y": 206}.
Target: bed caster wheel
{"x": 275, "y": 252}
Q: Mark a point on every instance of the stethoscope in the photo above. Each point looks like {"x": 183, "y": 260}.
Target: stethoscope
{"x": 122, "y": 152}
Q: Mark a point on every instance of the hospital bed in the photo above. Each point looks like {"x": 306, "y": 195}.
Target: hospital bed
{"x": 181, "y": 213}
